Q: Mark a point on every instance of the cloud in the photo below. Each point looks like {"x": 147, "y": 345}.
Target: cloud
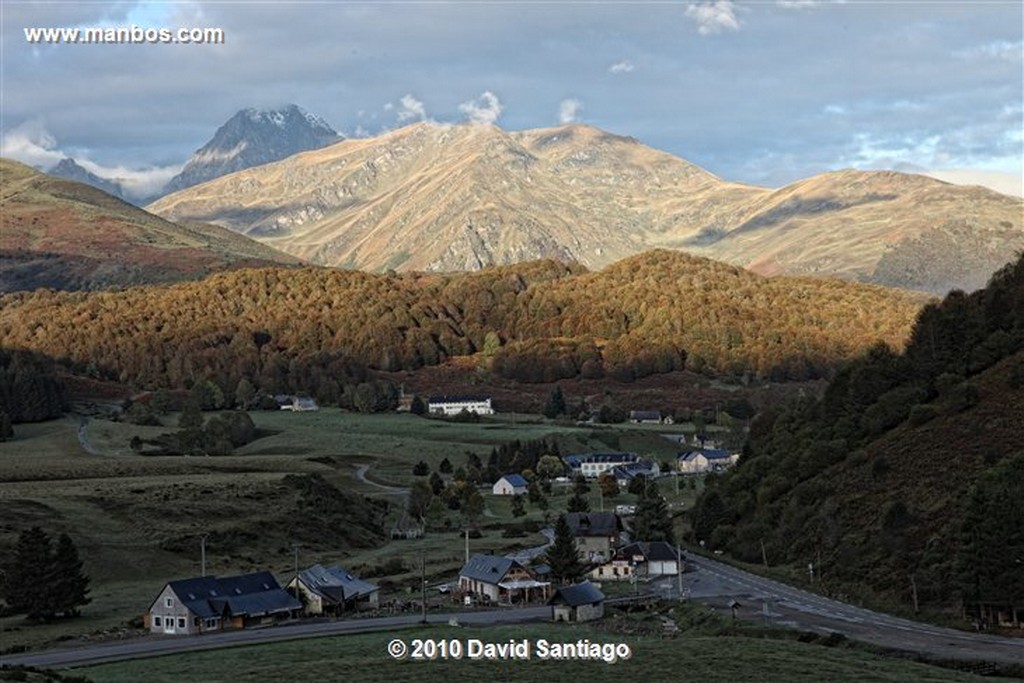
{"x": 1001, "y": 181}
{"x": 1000, "y": 50}
{"x": 411, "y": 109}
{"x": 30, "y": 143}
{"x": 799, "y": 4}
{"x": 569, "y": 110}
{"x": 483, "y": 110}
{"x": 713, "y": 17}
{"x": 623, "y": 67}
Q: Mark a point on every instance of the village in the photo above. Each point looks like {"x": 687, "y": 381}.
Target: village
{"x": 607, "y": 551}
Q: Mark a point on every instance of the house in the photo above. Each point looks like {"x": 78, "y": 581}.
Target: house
{"x": 640, "y": 559}
{"x": 501, "y": 580}
{"x": 646, "y": 417}
{"x": 298, "y": 404}
{"x": 706, "y": 460}
{"x": 580, "y": 602}
{"x": 596, "y": 534}
{"x": 624, "y": 474}
{"x": 510, "y": 485}
{"x": 331, "y": 590}
{"x": 591, "y": 465}
{"x": 208, "y": 603}
{"x": 453, "y": 405}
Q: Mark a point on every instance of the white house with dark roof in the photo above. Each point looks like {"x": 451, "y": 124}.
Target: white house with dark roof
{"x": 706, "y": 460}
{"x": 510, "y": 485}
{"x": 501, "y": 580}
{"x": 330, "y": 590}
{"x": 592, "y": 465}
{"x": 597, "y": 534}
{"x": 208, "y": 603}
{"x": 453, "y": 405}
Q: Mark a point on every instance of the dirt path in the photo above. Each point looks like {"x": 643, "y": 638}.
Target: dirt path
{"x": 361, "y": 471}
{"x": 83, "y": 437}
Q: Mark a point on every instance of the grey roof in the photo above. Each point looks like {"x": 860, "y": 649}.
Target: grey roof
{"x": 593, "y": 523}
{"x": 584, "y": 593}
{"x": 252, "y": 594}
{"x": 335, "y": 583}
{"x": 644, "y": 415}
{"x": 576, "y": 459}
{"x": 709, "y": 453}
{"x": 656, "y": 551}
{"x": 632, "y": 469}
{"x": 488, "y": 568}
{"x": 515, "y": 480}
{"x": 458, "y": 399}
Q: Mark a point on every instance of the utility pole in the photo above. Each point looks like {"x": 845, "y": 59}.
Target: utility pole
{"x": 295, "y": 552}
{"x": 764, "y": 555}
{"x": 467, "y": 544}
{"x": 423, "y": 586}
{"x": 202, "y": 554}
{"x": 679, "y": 570}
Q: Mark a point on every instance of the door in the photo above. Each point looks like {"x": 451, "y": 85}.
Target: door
{"x": 169, "y": 623}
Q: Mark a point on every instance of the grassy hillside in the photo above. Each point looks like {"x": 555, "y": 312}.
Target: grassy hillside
{"x": 906, "y": 474}
{"x": 312, "y": 329}
{"x": 66, "y": 235}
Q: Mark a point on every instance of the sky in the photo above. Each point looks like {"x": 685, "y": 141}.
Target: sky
{"x": 764, "y": 93}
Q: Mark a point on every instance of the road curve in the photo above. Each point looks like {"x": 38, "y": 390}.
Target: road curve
{"x": 717, "y": 583}
{"x": 152, "y": 646}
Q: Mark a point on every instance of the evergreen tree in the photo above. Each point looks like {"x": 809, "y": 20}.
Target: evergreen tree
{"x": 420, "y": 496}
{"x": 518, "y": 508}
{"x": 562, "y": 556}
{"x": 421, "y": 469}
{"x": 653, "y": 522}
{"x": 446, "y": 466}
{"x": 6, "y": 429}
{"x": 30, "y": 577}
{"x": 555, "y": 405}
{"x": 578, "y": 503}
{"x": 436, "y": 483}
{"x": 437, "y": 514}
{"x": 417, "y": 406}
{"x": 245, "y": 393}
{"x": 472, "y": 506}
{"x": 71, "y": 588}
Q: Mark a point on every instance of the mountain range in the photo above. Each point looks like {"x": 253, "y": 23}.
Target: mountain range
{"x": 69, "y": 169}
{"x": 68, "y": 235}
{"x": 439, "y": 197}
{"x": 253, "y": 137}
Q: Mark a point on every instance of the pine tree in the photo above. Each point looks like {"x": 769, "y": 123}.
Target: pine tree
{"x": 653, "y": 522}
{"x": 578, "y": 503}
{"x": 562, "y": 556}
{"x": 555, "y": 405}
{"x": 71, "y": 588}
{"x": 518, "y": 508}
{"x": 30, "y": 579}
{"x": 245, "y": 392}
{"x": 446, "y": 466}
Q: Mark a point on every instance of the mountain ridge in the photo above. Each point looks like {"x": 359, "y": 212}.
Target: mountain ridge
{"x": 444, "y": 197}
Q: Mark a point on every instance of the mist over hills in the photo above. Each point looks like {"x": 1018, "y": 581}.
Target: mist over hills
{"x": 439, "y": 197}
{"x": 69, "y": 169}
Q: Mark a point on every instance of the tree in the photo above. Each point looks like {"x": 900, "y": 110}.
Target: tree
{"x": 562, "y": 556}
{"x": 518, "y": 507}
{"x": 608, "y": 484}
{"x": 578, "y": 503}
{"x": 436, "y": 483}
{"x": 653, "y": 522}
{"x": 191, "y": 418}
{"x": 30, "y": 577}
{"x": 420, "y": 496}
{"x": 421, "y": 469}
{"x": 245, "y": 392}
{"x": 638, "y": 485}
{"x": 437, "y": 514}
{"x": 555, "y": 405}
{"x": 6, "y": 429}
{"x": 446, "y": 466}
{"x": 417, "y": 406}
{"x": 472, "y": 506}
{"x": 550, "y": 466}
{"x": 71, "y": 589}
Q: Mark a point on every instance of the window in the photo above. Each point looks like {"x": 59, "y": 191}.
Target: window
{"x": 181, "y": 622}
{"x": 168, "y": 602}
{"x": 157, "y": 622}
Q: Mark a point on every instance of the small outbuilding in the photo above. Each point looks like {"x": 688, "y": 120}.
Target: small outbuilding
{"x": 579, "y": 602}
{"x": 510, "y": 485}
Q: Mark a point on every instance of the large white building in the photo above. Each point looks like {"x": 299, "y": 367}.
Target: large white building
{"x": 453, "y": 405}
{"x": 591, "y": 465}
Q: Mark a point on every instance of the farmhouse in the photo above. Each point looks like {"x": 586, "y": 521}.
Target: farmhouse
{"x": 581, "y": 602}
{"x": 706, "y": 460}
{"x": 208, "y": 603}
{"x": 331, "y": 590}
{"x": 641, "y": 559}
{"x": 510, "y": 485}
{"x": 649, "y": 417}
{"x": 593, "y": 464}
{"x": 624, "y": 474}
{"x": 298, "y": 404}
{"x": 453, "y": 405}
{"x": 501, "y": 580}
{"x": 596, "y": 534}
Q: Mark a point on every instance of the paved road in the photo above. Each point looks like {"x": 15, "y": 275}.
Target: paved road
{"x": 151, "y": 646}
{"x": 716, "y": 584}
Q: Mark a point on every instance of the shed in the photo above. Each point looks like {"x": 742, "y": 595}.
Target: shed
{"x": 579, "y": 602}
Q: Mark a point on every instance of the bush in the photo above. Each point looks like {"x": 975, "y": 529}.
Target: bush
{"x": 922, "y": 413}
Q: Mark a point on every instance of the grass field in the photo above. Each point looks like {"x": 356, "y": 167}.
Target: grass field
{"x": 689, "y": 657}
{"x": 137, "y": 520}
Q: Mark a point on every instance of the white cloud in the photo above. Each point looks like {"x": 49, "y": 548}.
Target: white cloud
{"x": 483, "y": 110}
{"x": 835, "y": 110}
{"x": 1000, "y": 50}
{"x": 623, "y": 67}
{"x": 411, "y": 109}
{"x": 569, "y": 110}
{"x": 713, "y": 17}
{"x": 798, "y": 4}
{"x": 30, "y": 143}
{"x": 1001, "y": 181}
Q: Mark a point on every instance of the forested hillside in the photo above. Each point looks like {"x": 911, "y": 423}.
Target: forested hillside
{"x": 317, "y": 330}
{"x": 907, "y": 474}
